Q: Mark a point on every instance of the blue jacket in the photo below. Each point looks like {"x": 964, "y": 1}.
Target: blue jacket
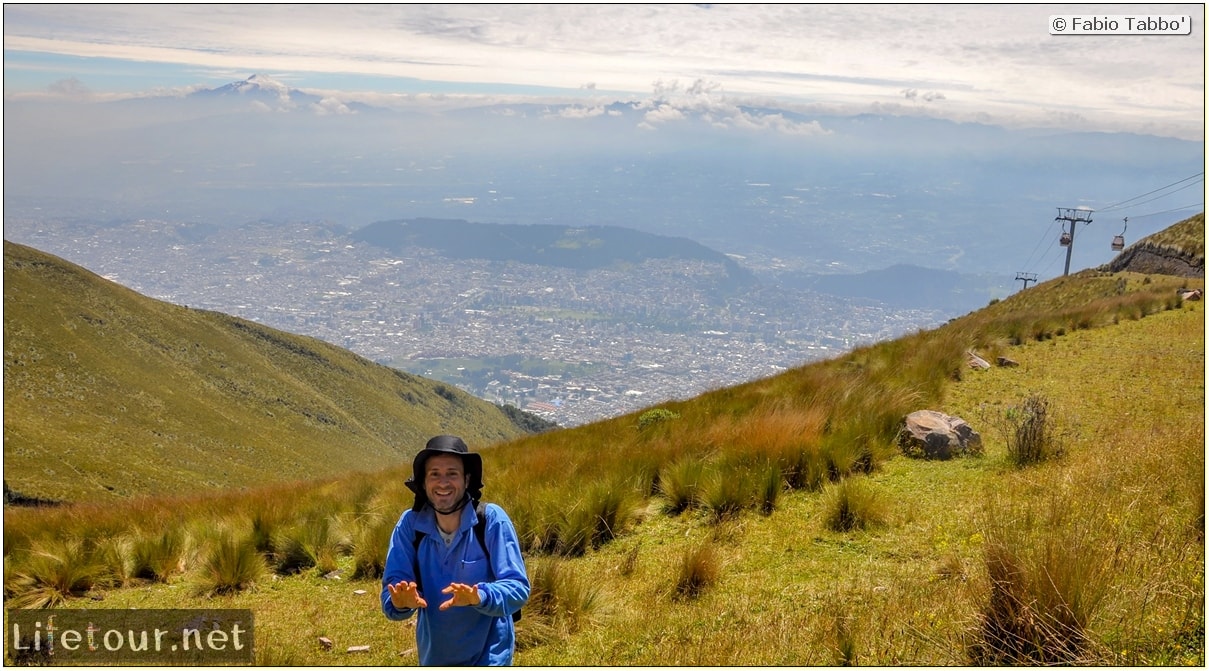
{"x": 481, "y": 635}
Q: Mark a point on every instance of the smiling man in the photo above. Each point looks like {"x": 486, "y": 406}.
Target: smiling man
{"x": 450, "y": 544}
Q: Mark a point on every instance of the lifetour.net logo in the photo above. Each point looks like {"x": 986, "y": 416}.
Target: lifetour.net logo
{"x": 85, "y": 637}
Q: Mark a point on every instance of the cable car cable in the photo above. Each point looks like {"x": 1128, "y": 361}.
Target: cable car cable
{"x": 1127, "y": 200}
{"x": 1176, "y": 209}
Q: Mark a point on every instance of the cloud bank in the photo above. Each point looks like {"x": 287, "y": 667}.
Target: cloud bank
{"x": 965, "y": 62}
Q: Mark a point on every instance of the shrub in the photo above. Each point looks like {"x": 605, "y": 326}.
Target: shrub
{"x": 655, "y": 416}
{"x": 853, "y": 504}
{"x": 1030, "y": 432}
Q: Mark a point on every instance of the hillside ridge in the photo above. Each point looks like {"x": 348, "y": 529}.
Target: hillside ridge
{"x": 578, "y": 247}
{"x": 1176, "y": 250}
{"x": 161, "y": 398}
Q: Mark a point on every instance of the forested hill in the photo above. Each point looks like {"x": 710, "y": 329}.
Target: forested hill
{"x": 579, "y": 247}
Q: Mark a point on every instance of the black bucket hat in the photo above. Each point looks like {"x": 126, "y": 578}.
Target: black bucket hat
{"x": 471, "y": 462}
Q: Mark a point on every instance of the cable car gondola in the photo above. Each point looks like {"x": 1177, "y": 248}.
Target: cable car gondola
{"x": 1118, "y": 241}
{"x": 1065, "y": 239}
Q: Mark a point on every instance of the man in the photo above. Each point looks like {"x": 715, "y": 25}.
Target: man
{"x": 435, "y": 551}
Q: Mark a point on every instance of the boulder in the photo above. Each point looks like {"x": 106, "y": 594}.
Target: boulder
{"x": 928, "y": 434}
{"x": 976, "y": 362}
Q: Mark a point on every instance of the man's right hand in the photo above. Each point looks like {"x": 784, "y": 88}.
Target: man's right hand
{"x": 406, "y": 595}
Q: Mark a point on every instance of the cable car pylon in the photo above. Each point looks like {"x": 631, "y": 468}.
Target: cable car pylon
{"x": 1074, "y": 216}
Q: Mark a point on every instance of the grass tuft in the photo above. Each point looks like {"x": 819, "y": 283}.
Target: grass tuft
{"x": 159, "y": 557}
{"x": 853, "y": 505}
{"x": 229, "y": 564}
{"x": 700, "y": 569}
{"x": 1048, "y": 569}
{"x": 52, "y": 572}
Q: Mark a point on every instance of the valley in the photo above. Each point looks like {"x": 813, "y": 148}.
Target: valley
{"x": 583, "y": 344}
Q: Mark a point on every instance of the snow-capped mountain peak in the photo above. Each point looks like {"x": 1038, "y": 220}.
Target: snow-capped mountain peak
{"x": 256, "y": 84}
{"x": 259, "y": 92}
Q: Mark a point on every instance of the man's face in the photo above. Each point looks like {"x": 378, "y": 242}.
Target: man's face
{"x": 445, "y": 481}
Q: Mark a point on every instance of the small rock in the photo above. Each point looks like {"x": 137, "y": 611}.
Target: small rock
{"x": 1005, "y": 362}
{"x": 325, "y": 642}
{"x": 976, "y": 362}
{"x": 358, "y": 648}
{"x": 334, "y": 575}
{"x": 358, "y": 591}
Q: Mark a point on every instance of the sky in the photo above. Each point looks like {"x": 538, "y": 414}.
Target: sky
{"x": 994, "y": 64}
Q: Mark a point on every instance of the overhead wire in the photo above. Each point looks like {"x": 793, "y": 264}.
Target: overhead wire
{"x": 1161, "y": 188}
{"x": 1150, "y": 200}
{"x": 1036, "y": 247}
{"x": 1174, "y": 209}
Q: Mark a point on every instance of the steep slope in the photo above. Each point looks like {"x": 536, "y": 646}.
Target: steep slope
{"x": 1176, "y": 250}
{"x": 108, "y": 393}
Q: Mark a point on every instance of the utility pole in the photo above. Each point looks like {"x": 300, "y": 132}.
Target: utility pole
{"x": 1026, "y": 277}
{"x": 1074, "y": 216}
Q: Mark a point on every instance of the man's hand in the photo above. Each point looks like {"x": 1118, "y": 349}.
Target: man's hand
{"x": 463, "y": 595}
{"x": 406, "y": 595}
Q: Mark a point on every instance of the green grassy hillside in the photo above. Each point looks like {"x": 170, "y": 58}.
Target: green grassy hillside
{"x": 110, "y": 394}
{"x": 773, "y": 523}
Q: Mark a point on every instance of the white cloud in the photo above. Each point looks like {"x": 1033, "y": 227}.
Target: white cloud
{"x": 1000, "y": 57}
{"x": 577, "y": 112}
{"x": 331, "y": 105}
{"x": 663, "y": 113}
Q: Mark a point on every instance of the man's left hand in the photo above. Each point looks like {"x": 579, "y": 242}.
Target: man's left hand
{"x": 463, "y": 595}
